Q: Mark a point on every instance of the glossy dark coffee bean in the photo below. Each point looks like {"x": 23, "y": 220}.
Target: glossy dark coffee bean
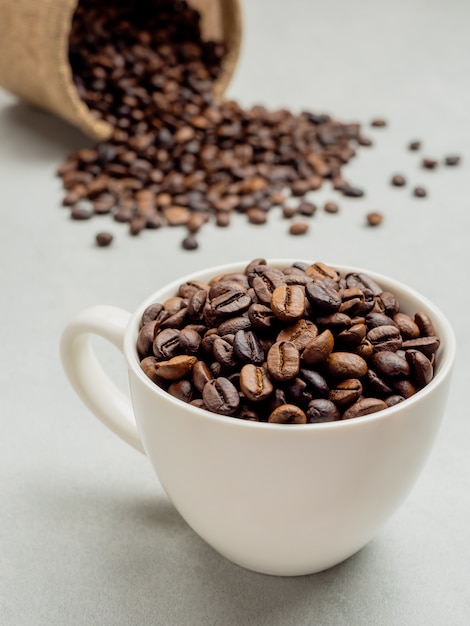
{"x": 390, "y": 364}
{"x": 262, "y": 319}
{"x": 420, "y": 367}
{"x": 247, "y": 348}
{"x": 346, "y": 392}
{"x": 145, "y": 338}
{"x": 264, "y": 281}
{"x": 386, "y": 337}
{"x": 323, "y": 297}
{"x": 224, "y": 354}
{"x": 231, "y": 302}
{"x": 322, "y": 410}
{"x": 182, "y": 389}
{"x": 189, "y": 340}
{"x": 167, "y": 343}
{"x": 221, "y": 396}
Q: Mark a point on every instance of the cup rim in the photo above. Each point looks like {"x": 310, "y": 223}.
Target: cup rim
{"x": 446, "y": 335}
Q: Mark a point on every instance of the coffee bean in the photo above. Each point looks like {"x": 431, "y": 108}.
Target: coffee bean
{"x": 398, "y": 180}
{"x": 323, "y": 296}
{"x": 288, "y": 303}
{"x": 346, "y": 392}
{"x": 365, "y": 406}
{"x": 201, "y": 374}
{"x": 374, "y": 218}
{"x": 321, "y": 410}
{"x": 166, "y": 343}
{"x": 378, "y": 122}
{"x": 283, "y": 361}
{"x": 298, "y": 228}
{"x": 390, "y": 364}
{"x": 420, "y": 192}
{"x": 352, "y": 192}
{"x": 104, "y": 239}
{"x": 255, "y": 382}
{"x": 385, "y": 337}
{"x": 182, "y": 389}
{"x": 287, "y": 414}
{"x": 429, "y": 164}
{"x": 247, "y": 348}
{"x": 176, "y": 367}
{"x": 452, "y": 160}
{"x": 190, "y": 243}
{"x": 300, "y": 333}
{"x": 414, "y": 145}
{"x": 420, "y": 366}
{"x": 424, "y": 323}
{"x": 319, "y": 348}
{"x": 345, "y": 365}
{"x": 331, "y": 207}
{"x": 221, "y": 396}
{"x": 145, "y": 338}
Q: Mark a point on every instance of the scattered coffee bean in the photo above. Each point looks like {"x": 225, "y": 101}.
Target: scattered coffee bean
{"x": 378, "y": 122}
{"x": 104, "y": 239}
{"x": 398, "y": 180}
{"x": 374, "y": 218}
{"x": 301, "y": 344}
{"x": 298, "y": 228}
{"x": 177, "y": 150}
{"x": 414, "y": 145}
{"x": 429, "y": 164}
{"x": 420, "y": 192}
{"x": 331, "y": 207}
{"x": 452, "y": 160}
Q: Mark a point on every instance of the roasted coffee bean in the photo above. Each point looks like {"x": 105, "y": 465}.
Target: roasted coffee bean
{"x": 319, "y": 348}
{"x": 390, "y": 364}
{"x": 352, "y": 192}
{"x": 298, "y": 392}
{"x": 190, "y": 243}
{"x": 221, "y": 396}
{"x": 331, "y": 207}
{"x": 427, "y": 345}
{"x": 182, "y": 389}
{"x": 424, "y": 323}
{"x": 300, "y": 333}
{"x": 386, "y": 337}
{"x": 247, "y": 348}
{"x": 346, "y": 392}
{"x": 404, "y": 387}
{"x": 298, "y": 228}
{"x": 377, "y": 385}
{"x": 177, "y": 367}
{"x": 262, "y": 318}
{"x": 288, "y": 303}
{"x": 420, "y": 367}
{"x": 429, "y": 164}
{"x": 352, "y": 337}
{"x": 189, "y": 340}
{"x": 365, "y": 406}
{"x": 233, "y": 325}
{"x": 452, "y": 160}
{"x": 336, "y": 322}
{"x": 320, "y": 271}
{"x": 151, "y": 313}
{"x": 345, "y": 365}
{"x": 374, "y": 218}
{"x": 287, "y": 414}
{"x": 378, "y": 122}
{"x": 398, "y": 180}
{"x": 264, "y": 281}
{"x": 145, "y": 338}
{"x": 406, "y": 325}
{"x": 419, "y": 192}
{"x": 231, "y": 302}
{"x": 201, "y": 374}
{"x": 223, "y": 353}
{"x": 390, "y": 304}
{"x": 316, "y": 382}
{"x": 167, "y": 343}
{"x": 104, "y": 239}
{"x": 149, "y": 366}
{"x": 255, "y": 382}
{"x": 323, "y": 296}
{"x": 283, "y": 361}
{"x": 322, "y": 410}
{"x": 414, "y": 145}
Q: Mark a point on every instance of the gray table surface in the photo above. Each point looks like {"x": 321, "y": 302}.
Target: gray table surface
{"x": 87, "y": 535}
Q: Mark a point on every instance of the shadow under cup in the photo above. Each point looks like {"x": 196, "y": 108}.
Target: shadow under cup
{"x": 289, "y": 499}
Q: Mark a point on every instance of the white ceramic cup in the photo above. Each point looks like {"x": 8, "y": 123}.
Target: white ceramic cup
{"x": 277, "y": 499}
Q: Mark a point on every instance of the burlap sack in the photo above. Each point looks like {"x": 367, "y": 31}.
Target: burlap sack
{"x": 34, "y": 54}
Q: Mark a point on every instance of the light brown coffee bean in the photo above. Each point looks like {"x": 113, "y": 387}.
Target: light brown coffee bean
{"x": 345, "y": 365}
{"x": 283, "y": 361}
{"x": 255, "y": 382}
{"x": 287, "y": 414}
{"x": 177, "y": 367}
{"x": 288, "y": 303}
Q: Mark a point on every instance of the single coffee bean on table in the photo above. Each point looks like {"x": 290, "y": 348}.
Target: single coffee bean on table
{"x": 294, "y": 345}
{"x": 178, "y": 155}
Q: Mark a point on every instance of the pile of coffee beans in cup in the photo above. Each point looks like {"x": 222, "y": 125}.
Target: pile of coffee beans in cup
{"x": 178, "y": 156}
{"x": 292, "y": 345}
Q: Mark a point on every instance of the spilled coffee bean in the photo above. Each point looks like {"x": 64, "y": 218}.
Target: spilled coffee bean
{"x": 292, "y": 345}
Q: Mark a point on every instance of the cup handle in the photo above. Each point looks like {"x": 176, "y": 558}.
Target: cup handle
{"x": 85, "y": 373}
